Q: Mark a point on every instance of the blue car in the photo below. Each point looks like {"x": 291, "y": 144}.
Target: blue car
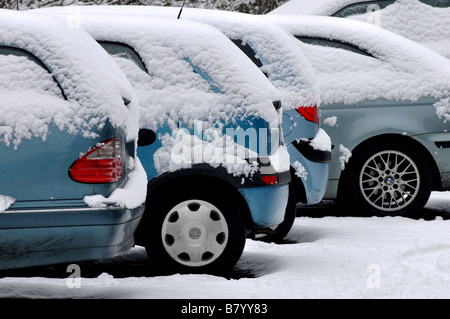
{"x": 210, "y": 141}
{"x": 277, "y": 56}
{"x": 72, "y": 188}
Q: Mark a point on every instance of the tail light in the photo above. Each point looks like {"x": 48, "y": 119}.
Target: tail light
{"x": 310, "y": 113}
{"x": 270, "y": 179}
{"x": 102, "y": 164}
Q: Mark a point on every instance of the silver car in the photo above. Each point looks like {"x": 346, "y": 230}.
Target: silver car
{"x": 385, "y": 106}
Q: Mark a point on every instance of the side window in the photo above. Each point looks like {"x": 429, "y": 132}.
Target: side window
{"x": 361, "y": 8}
{"x": 125, "y": 51}
{"x": 248, "y": 50}
{"x": 179, "y": 72}
{"x": 334, "y": 44}
{"x": 437, "y": 3}
{"x": 21, "y": 71}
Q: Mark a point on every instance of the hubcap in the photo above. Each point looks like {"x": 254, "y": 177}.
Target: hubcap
{"x": 194, "y": 233}
{"x": 389, "y": 180}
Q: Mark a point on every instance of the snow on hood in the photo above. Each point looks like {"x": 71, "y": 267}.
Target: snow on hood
{"x": 312, "y": 7}
{"x": 417, "y": 21}
{"x": 170, "y": 50}
{"x": 402, "y": 70}
{"x": 284, "y": 63}
{"x": 94, "y": 85}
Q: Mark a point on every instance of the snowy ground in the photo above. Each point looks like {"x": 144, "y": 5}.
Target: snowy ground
{"x": 325, "y": 257}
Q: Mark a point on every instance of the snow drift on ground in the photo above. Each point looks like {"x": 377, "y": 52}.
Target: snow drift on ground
{"x": 328, "y": 257}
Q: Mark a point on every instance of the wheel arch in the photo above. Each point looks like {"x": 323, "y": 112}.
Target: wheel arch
{"x": 396, "y": 138}
{"x": 169, "y": 183}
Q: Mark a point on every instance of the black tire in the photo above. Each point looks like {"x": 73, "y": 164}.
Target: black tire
{"x": 281, "y": 231}
{"x": 195, "y": 231}
{"x": 386, "y": 178}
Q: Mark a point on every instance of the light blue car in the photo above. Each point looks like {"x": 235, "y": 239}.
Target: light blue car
{"x": 385, "y": 105}
{"x": 71, "y": 186}
{"x": 276, "y": 54}
{"x": 218, "y": 171}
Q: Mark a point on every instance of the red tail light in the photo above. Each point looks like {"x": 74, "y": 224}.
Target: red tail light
{"x": 310, "y": 113}
{"x": 270, "y": 179}
{"x": 102, "y": 164}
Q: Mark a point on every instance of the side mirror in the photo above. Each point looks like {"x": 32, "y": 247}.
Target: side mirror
{"x": 146, "y": 137}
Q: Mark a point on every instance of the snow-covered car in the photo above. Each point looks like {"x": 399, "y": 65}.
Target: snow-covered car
{"x": 386, "y": 102}
{"x": 71, "y": 186}
{"x": 210, "y": 140}
{"x": 278, "y": 56}
{"x": 424, "y": 21}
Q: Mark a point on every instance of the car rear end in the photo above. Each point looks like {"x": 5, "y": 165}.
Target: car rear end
{"x": 72, "y": 188}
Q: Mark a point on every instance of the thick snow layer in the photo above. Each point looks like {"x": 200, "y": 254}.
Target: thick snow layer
{"x": 412, "y": 19}
{"x": 92, "y": 82}
{"x": 170, "y": 49}
{"x": 417, "y": 21}
{"x": 194, "y": 73}
{"x": 399, "y": 69}
{"x": 284, "y": 64}
{"x": 328, "y": 257}
{"x": 312, "y": 7}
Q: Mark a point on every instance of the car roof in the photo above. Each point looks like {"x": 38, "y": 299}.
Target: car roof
{"x": 94, "y": 86}
{"x": 312, "y": 7}
{"x": 170, "y": 50}
{"x": 415, "y": 70}
{"x": 287, "y": 68}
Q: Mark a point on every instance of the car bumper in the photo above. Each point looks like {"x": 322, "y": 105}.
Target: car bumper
{"x": 34, "y": 237}
{"x": 267, "y": 204}
{"x": 314, "y": 169}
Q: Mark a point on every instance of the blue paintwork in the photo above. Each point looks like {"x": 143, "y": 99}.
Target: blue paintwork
{"x": 49, "y": 221}
{"x": 267, "y": 204}
{"x": 296, "y": 127}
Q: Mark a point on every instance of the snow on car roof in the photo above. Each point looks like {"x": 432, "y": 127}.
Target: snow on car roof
{"x": 93, "y": 84}
{"x": 171, "y": 50}
{"x": 287, "y": 68}
{"x": 312, "y": 7}
{"x": 416, "y": 21}
{"x": 394, "y": 68}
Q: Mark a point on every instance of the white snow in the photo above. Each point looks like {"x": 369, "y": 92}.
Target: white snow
{"x": 417, "y": 21}
{"x": 300, "y": 170}
{"x": 330, "y": 121}
{"x": 312, "y": 7}
{"x": 399, "y": 69}
{"x": 131, "y": 196}
{"x": 412, "y": 19}
{"x": 284, "y": 63}
{"x": 328, "y": 257}
{"x": 92, "y": 82}
{"x": 321, "y": 141}
{"x": 344, "y": 156}
{"x": 6, "y": 202}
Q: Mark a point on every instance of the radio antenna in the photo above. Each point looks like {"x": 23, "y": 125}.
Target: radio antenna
{"x": 181, "y": 9}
